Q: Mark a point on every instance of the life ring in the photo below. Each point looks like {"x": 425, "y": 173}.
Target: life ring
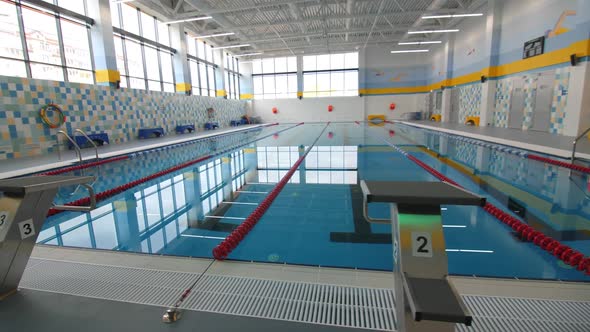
{"x": 52, "y": 107}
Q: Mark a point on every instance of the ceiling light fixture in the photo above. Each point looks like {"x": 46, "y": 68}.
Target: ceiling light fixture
{"x": 114, "y": 2}
{"x": 247, "y": 54}
{"x": 189, "y": 20}
{"x": 217, "y": 35}
{"x": 231, "y": 46}
{"x": 421, "y": 42}
{"x": 452, "y": 15}
{"x": 433, "y": 31}
{"x": 409, "y": 51}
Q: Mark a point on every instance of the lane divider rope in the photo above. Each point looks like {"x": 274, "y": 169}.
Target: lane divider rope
{"x": 506, "y": 149}
{"x": 134, "y": 154}
{"x": 563, "y": 252}
{"x": 222, "y": 250}
{"x": 116, "y": 190}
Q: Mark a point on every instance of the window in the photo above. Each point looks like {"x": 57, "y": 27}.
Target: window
{"x": 274, "y": 162}
{"x": 275, "y": 78}
{"x": 211, "y": 184}
{"x": 56, "y": 47}
{"x": 330, "y": 75}
{"x": 202, "y": 70}
{"x": 238, "y": 170}
{"x": 232, "y": 77}
{"x": 332, "y": 165}
{"x": 144, "y": 63}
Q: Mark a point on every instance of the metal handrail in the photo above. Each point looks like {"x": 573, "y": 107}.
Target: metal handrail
{"x": 89, "y": 140}
{"x": 77, "y": 148}
{"x": 575, "y": 142}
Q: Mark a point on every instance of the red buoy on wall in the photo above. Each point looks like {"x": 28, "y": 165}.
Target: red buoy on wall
{"x": 391, "y": 133}
{"x": 275, "y": 110}
{"x": 330, "y": 135}
{"x": 275, "y": 136}
{"x": 330, "y": 108}
{"x": 392, "y": 106}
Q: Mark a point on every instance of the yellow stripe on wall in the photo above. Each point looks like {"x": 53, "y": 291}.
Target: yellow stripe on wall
{"x": 580, "y": 48}
{"x": 246, "y": 96}
{"x": 221, "y": 93}
{"x": 183, "y": 87}
{"x": 107, "y": 76}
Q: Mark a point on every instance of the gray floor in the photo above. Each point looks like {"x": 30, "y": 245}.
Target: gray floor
{"x": 532, "y": 140}
{"x": 30, "y": 310}
{"x": 26, "y": 165}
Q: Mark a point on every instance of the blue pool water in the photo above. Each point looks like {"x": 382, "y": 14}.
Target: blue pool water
{"x": 317, "y": 218}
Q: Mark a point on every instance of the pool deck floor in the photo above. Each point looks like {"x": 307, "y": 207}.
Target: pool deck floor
{"x": 27, "y": 165}
{"x": 537, "y": 141}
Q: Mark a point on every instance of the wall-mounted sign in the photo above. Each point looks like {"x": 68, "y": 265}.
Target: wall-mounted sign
{"x": 533, "y": 47}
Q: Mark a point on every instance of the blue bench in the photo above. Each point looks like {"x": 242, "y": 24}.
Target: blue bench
{"x": 98, "y": 139}
{"x": 211, "y": 125}
{"x": 182, "y": 128}
{"x": 150, "y": 132}
{"x": 235, "y": 123}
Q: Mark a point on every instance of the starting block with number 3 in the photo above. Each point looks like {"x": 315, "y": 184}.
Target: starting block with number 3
{"x": 424, "y": 298}
{"x": 24, "y": 203}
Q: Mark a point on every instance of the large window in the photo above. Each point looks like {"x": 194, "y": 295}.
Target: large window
{"x": 201, "y": 66}
{"x": 232, "y": 77}
{"x": 275, "y": 78}
{"x": 56, "y": 46}
{"x": 142, "y": 46}
{"x": 330, "y": 75}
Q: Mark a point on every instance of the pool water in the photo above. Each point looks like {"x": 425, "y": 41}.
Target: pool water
{"x": 317, "y": 218}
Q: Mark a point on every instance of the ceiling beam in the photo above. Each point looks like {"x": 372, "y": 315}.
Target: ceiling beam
{"x": 263, "y": 6}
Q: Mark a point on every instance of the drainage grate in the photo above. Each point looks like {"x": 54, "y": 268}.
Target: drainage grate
{"x": 367, "y": 308}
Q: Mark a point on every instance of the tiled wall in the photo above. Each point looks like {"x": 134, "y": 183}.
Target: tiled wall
{"x": 560, "y": 91}
{"x": 503, "y": 93}
{"x": 469, "y": 101}
{"x": 530, "y": 92}
{"x": 119, "y": 113}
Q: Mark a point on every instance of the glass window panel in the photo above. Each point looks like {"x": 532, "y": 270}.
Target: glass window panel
{"x": 292, "y": 64}
{"x": 200, "y": 49}
{"x": 171, "y": 232}
{"x": 292, "y": 82}
{"x": 124, "y": 82}
{"x": 337, "y": 82}
{"x": 148, "y": 28}
{"x": 280, "y": 65}
{"x": 203, "y": 75}
{"x": 154, "y": 86}
{"x": 309, "y": 82}
{"x": 268, "y": 66}
{"x": 152, "y": 66}
{"x": 257, "y": 67}
{"x": 191, "y": 46}
{"x": 79, "y": 237}
{"x": 269, "y": 84}
{"x": 309, "y": 63}
{"x": 80, "y": 76}
{"x": 46, "y": 234}
{"x": 163, "y": 33}
{"x": 157, "y": 241}
{"x": 73, "y": 5}
{"x": 282, "y": 87}
{"x": 11, "y": 45}
{"x": 218, "y": 57}
{"x": 337, "y": 61}
{"x": 208, "y": 53}
{"x": 119, "y": 54}
{"x": 134, "y": 58}
{"x": 76, "y": 47}
{"x": 350, "y": 159}
{"x": 194, "y": 69}
{"x": 169, "y": 87}
{"x": 47, "y": 72}
{"x": 351, "y": 81}
{"x": 323, "y": 82}
{"x": 350, "y": 177}
{"x": 130, "y": 18}
{"x": 258, "y": 86}
{"x": 115, "y": 15}
{"x": 166, "y": 65}
{"x": 167, "y": 201}
{"x": 13, "y": 68}
{"x": 211, "y": 75}
{"x": 351, "y": 60}
{"x": 105, "y": 234}
{"x": 41, "y": 33}
{"x": 136, "y": 83}
{"x": 323, "y": 62}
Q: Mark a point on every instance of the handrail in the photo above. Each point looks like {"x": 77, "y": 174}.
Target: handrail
{"x": 89, "y": 140}
{"x": 575, "y": 142}
{"x": 77, "y": 148}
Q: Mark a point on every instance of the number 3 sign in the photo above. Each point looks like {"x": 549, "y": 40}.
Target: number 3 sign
{"x": 27, "y": 228}
{"x": 421, "y": 244}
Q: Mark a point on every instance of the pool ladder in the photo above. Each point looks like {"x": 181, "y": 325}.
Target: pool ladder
{"x": 76, "y": 146}
{"x": 575, "y": 142}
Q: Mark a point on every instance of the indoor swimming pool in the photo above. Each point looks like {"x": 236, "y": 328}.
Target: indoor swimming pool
{"x": 317, "y": 218}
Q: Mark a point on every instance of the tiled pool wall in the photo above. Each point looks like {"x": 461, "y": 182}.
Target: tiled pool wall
{"x": 97, "y": 109}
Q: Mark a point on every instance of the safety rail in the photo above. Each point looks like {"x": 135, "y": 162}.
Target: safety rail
{"x": 76, "y": 147}
{"x": 575, "y": 143}
{"x": 89, "y": 140}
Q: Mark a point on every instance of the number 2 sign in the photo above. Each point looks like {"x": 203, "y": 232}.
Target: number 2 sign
{"x": 421, "y": 244}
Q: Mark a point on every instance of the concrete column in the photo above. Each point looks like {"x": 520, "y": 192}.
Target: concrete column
{"x": 446, "y": 97}
{"x": 482, "y": 159}
{"x": 182, "y": 74}
{"x": 103, "y": 45}
{"x": 246, "y": 81}
{"x": 446, "y": 106}
{"x": 301, "y": 151}
{"x": 251, "y": 164}
{"x": 299, "y": 76}
{"x": 220, "y": 75}
{"x": 192, "y": 194}
{"x": 226, "y": 177}
{"x": 490, "y": 51}
{"x": 126, "y": 223}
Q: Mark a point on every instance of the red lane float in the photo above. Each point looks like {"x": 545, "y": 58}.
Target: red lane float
{"x": 84, "y": 166}
{"x": 559, "y": 163}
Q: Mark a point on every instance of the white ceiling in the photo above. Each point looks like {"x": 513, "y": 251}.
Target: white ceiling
{"x": 282, "y": 27}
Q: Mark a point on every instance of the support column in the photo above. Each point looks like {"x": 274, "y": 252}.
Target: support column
{"x": 182, "y": 74}
{"x": 445, "y": 111}
{"x": 488, "y": 88}
{"x": 299, "y": 76}
{"x": 301, "y": 151}
{"x": 251, "y": 164}
{"x": 246, "y": 81}
{"x": 226, "y": 177}
{"x": 126, "y": 223}
{"x": 446, "y": 96}
{"x": 192, "y": 194}
{"x": 103, "y": 45}
{"x": 220, "y": 75}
